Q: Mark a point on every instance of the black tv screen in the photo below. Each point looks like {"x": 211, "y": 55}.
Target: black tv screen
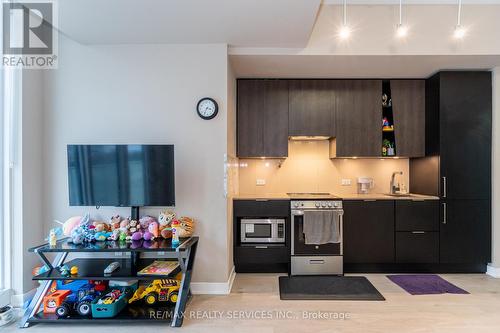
{"x": 121, "y": 175}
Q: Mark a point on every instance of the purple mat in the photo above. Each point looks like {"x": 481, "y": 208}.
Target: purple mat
{"x": 425, "y": 284}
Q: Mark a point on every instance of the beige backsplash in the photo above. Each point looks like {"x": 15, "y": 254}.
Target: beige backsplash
{"x": 308, "y": 168}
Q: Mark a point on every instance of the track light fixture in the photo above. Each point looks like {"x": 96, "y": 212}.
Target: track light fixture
{"x": 460, "y": 31}
{"x": 344, "y": 31}
{"x": 401, "y": 30}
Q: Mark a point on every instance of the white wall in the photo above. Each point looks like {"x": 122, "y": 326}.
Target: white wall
{"x": 144, "y": 94}
{"x": 32, "y": 176}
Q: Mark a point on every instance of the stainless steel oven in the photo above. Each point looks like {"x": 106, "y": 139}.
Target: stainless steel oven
{"x": 310, "y": 259}
{"x": 262, "y": 230}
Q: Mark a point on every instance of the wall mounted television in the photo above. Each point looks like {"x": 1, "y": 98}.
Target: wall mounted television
{"x": 121, "y": 175}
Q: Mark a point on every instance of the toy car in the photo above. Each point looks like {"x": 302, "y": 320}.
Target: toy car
{"x": 158, "y": 291}
{"x": 78, "y": 302}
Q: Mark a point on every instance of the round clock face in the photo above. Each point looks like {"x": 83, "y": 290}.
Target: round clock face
{"x": 207, "y": 108}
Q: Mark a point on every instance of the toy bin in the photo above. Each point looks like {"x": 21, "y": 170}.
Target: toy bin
{"x": 112, "y": 309}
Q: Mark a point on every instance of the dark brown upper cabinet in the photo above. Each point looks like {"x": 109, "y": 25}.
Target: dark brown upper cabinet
{"x": 262, "y": 118}
{"x": 408, "y": 107}
{"x": 358, "y": 118}
{"x": 312, "y": 108}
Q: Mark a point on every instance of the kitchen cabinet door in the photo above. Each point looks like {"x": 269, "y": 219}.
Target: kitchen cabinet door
{"x": 275, "y": 110}
{"x": 250, "y": 132}
{"x": 359, "y": 118}
{"x": 417, "y": 247}
{"x": 312, "y": 108}
{"x": 465, "y": 134}
{"x": 369, "y": 231}
{"x": 413, "y": 215}
{"x": 408, "y": 107}
{"x": 262, "y": 121}
{"x": 465, "y": 232}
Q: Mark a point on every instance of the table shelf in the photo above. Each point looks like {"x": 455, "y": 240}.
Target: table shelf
{"x": 93, "y": 269}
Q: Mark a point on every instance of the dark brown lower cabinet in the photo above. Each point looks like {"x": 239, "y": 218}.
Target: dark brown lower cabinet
{"x": 465, "y": 231}
{"x": 417, "y": 247}
{"x": 369, "y": 231}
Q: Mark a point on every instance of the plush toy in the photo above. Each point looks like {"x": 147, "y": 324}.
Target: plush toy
{"x": 85, "y": 232}
{"x": 149, "y": 227}
{"x": 166, "y": 217}
{"x": 70, "y": 224}
{"x": 165, "y": 223}
{"x": 132, "y": 228}
{"x": 186, "y": 227}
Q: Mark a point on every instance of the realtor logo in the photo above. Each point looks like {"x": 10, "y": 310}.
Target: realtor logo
{"x": 29, "y": 39}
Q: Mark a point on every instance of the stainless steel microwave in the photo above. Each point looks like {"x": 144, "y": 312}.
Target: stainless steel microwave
{"x": 262, "y": 230}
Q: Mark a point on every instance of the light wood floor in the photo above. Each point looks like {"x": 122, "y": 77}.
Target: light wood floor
{"x": 257, "y": 295}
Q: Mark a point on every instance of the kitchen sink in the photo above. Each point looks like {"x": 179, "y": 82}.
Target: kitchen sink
{"x": 401, "y": 195}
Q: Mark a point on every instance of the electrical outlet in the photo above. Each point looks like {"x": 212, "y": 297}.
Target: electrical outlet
{"x": 346, "y": 182}
{"x": 260, "y": 182}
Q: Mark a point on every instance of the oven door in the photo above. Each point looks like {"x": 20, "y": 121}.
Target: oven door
{"x": 262, "y": 231}
{"x": 299, "y": 247}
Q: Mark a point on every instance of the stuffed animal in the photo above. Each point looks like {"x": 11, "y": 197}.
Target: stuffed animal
{"x": 148, "y": 229}
{"x": 165, "y": 223}
{"x": 133, "y": 228}
{"x": 186, "y": 227}
{"x": 83, "y": 233}
{"x": 70, "y": 224}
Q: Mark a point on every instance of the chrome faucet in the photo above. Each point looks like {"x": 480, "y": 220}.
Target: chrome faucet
{"x": 395, "y": 188}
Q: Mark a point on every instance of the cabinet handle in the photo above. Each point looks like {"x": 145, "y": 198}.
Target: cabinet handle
{"x": 261, "y": 199}
{"x": 444, "y": 213}
{"x": 317, "y": 262}
{"x": 261, "y": 247}
{"x": 444, "y": 187}
{"x": 418, "y": 232}
{"x": 369, "y": 200}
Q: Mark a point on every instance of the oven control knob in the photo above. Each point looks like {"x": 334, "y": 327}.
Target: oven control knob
{"x": 302, "y": 204}
{"x": 296, "y": 204}
{"x": 323, "y": 204}
{"x": 329, "y": 204}
{"x": 317, "y": 204}
{"x": 336, "y": 204}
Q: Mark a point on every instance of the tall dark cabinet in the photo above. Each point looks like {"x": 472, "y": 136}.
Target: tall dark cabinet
{"x": 358, "y": 120}
{"x": 458, "y": 163}
{"x": 262, "y": 122}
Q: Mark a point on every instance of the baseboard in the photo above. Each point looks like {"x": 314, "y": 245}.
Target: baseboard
{"x": 18, "y": 301}
{"x": 214, "y": 288}
{"x": 493, "y": 271}
{"x": 5, "y": 297}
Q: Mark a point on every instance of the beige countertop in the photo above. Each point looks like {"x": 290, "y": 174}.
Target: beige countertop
{"x": 353, "y": 196}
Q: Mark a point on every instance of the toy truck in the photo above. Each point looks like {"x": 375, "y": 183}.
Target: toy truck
{"x": 164, "y": 290}
{"x": 79, "y": 302}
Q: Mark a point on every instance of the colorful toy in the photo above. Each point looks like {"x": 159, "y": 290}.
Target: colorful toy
{"x": 74, "y": 270}
{"x": 52, "y": 301}
{"x": 79, "y": 302}
{"x": 158, "y": 291}
{"x": 64, "y": 270}
{"x": 175, "y": 233}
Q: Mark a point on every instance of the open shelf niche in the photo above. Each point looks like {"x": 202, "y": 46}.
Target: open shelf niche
{"x": 387, "y": 122}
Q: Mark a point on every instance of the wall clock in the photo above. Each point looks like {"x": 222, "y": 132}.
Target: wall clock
{"x": 207, "y": 108}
